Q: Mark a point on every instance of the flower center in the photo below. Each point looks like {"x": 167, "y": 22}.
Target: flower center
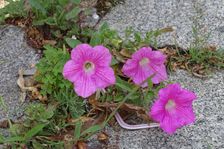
{"x": 170, "y": 105}
{"x": 89, "y": 66}
{"x": 144, "y": 61}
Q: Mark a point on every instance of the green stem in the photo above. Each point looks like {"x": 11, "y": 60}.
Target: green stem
{"x": 120, "y": 104}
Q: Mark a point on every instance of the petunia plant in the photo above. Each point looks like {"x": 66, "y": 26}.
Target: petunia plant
{"x": 89, "y": 69}
{"x": 86, "y": 85}
{"x": 91, "y": 73}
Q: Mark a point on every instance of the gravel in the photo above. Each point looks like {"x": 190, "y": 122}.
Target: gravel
{"x": 145, "y": 15}
{"x": 206, "y": 133}
{"x": 14, "y": 54}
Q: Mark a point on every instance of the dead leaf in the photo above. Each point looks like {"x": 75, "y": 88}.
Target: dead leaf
{"x": 4, "y": 123}
{"x": 81, "y": 145}
{"x": 118, "y": 56}
{"x": 105, "y": 106}
{"x": 35, "y": 94}
{"x": 21, "y": 84}
{"x": 102, "y": 137}
{"x": 166, "y": 30}
{"x": 125, "y": 53}
{"x": 83, "y": 119}
{"x": 50, "y": 42}
{"x": 68, "y": 141}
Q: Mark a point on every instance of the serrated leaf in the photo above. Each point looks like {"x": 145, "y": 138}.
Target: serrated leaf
{"x": 123, "y": 84}
{"x": 72, "y": 14}
{"x": 72, "y": 42}
{"x": 35, "y": 4}
{"x": 95, "y": 40}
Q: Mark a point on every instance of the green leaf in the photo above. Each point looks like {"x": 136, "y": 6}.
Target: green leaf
{"x": 14, "y": 139}
{"x": 77, "y": 132}
{"x": 35, "y": 4}
{"x": 35, "y": 130}
{"x": 76, "y": 1}
{"x": 72, "y": 42}
{"x": 149, "y": 96}
{"x": 137, "y": 36}
{"x": 123, "y": 84}
{"x": 2, "y": 138}
{"x": 72, "y": 14}
{"x": 62, "y": 2}
{"x": 49, "y": 21}
{"x": 37, "y": 145}
{"x": 104, "y": 27}
{"x": 95, "y": 40}
{"x": 114, "y": 61}
{"x": 150, "y": 84}
{"x": 91, "y": 129}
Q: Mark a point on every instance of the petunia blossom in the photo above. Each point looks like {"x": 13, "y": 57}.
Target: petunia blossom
{"x": 145, "y": 63}
{"x": 173, "y": 108}
{"x": 89, "y": 69}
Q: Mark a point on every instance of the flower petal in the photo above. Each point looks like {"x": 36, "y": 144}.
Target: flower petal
{"x": 85, "y": 86}
{"x": 169, "y": 92}
{"x": 104, "y": 77}
{"x": 160, "y": 73}
{"x": 102, "y": 56}
{"x": 186, "y": 114}
{"x": 170, "y": 124}
{"x": 158, "y": 57}
{"x": 141, "y": 75}
{"x": 158, "y": 111}
{"x": 129, "y": 68}
{"x": 71, "y": 71}
{"x": 142, "y": 52}
{"x": 186, "y": 97}
{"x": 80, "y": 51}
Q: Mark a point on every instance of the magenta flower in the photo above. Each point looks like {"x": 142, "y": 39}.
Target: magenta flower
{"x": 145, "y": 63}
{"x": 89, "y": 69}
{"x": 173, "y": 108}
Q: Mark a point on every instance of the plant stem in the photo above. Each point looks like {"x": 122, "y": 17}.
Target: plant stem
{"x": 120, "y": 104}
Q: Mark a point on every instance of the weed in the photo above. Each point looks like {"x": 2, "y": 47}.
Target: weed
{"x": 13, "y": 9}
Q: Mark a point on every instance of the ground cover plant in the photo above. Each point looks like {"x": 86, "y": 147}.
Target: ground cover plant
{"x": 88, "y": 77}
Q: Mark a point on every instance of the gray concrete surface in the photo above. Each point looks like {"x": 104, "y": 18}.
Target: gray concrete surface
{"x": 14, "y": 53}
{"x": 145, "y": 15}
{"x": 206, "y": 133}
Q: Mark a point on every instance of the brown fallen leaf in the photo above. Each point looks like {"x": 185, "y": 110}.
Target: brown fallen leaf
{"x": 21, "y": 84}
{"x": 103, "y": 137}
{"x": 105, "y": 106}
{"x": 35, "y": 94}
{"x": 118, "y": 56}
{"x": 81, "y": 145}
{"x": 50, "y": 42}
{"x": 125, "y": 53}
{"x": 68, "y": 141}
{"x": 4, "y": 123}
{"x": 83, "y": 119}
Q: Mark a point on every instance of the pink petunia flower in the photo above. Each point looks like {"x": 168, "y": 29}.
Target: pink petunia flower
{"x": 145, "y": 63}
{"x": 89, "y": 69}
{"x": 173, "y": 108}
